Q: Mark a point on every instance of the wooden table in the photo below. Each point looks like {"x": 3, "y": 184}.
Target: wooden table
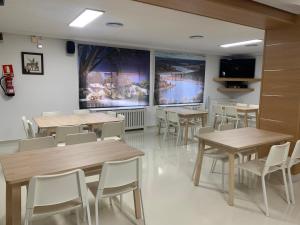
{"x": 20, "y": 167}
{"x": 50, "y": 123}
{"x": 187, "y": 115}
{"x": 233, "y": 141}
{"x": 246, "y": 110}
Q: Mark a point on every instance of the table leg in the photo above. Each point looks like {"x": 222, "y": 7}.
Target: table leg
{"x": 204, "y": 120}
{"x": 256, "y": 119}
{"x": 13, "y": 205}
{"x": 186, "y": 132}
{"x": 198, "y": 164}
{"x": 231, "y": 179}
{"x": 137, "y": 203}
{"x": 246, "y": 119}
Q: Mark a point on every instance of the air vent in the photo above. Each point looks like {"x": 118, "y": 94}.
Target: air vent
{"x": 2, "y": 2}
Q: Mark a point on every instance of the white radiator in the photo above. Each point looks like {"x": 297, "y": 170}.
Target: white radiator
{"x": 134, "y": 118}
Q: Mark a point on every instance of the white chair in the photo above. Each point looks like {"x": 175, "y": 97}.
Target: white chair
{"x": 215, "y": 154}
{"x": 161, "y": 117}
{"x": 116, "y": 179}
{"x": 25, "y": 125}
{"x": 9, "y": 147}
{"x": 72, "y": 139}
{"x": 241, "y": 104}
{"x": 173, "y": 121}
{"x": 81, "y": 111}
{"x": 53, "y": 194}
{"x": 54, "y": 113}
{"x": 63, "y": 131}
{"x": 36, "y": 143}
{"x": 231, "y": 115}
{"x": 122, "y": 118}
{"x": 112, "y": 130}
{"x": 293, "y": 160}
{"x": 218, "y": 114}
{"x": 275, "y": 161}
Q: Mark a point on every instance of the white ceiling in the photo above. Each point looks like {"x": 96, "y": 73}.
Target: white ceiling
{"x": 292, "y": 6}
{"x": 145, "y": 25}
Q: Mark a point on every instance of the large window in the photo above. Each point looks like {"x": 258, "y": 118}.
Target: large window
{"x": 113, "y": 77}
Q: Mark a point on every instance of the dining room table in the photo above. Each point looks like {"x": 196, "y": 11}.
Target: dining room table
{"x": 232, "y": 142}
{"x": 48, "y": 124}
{"x": 187, "y": 116}
{"x": 20, "y": 167}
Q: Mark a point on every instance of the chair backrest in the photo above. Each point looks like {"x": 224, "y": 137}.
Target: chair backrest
{"x": 277, "y": 155}
{"x": 161, "y": 114}
{"x": 218, "y": 109}
{"x": 226, "y": 126}
{"x": 56, "y": 189}
{"x": 72, "y": 139}
{"x": 241, "y": 104}
{"x": 230, "y": 111}
{"x": 121, "y": 173}
{"x": 9, "y": 147}
{"x": 111, "y": 113}
{"x": 25, "y": 125}
{"x": 63, "y": 131}
{"x": 112, "y": 129}
{"x": 36, "y": 143}
{"x": 172, "y": 117}
{"x": 31, "y": 133}
{"x": 296, "y": 153}
{"x": 54, "y": 113}
{"x": 122, "y": 118}
{"x": 81, "y": 111}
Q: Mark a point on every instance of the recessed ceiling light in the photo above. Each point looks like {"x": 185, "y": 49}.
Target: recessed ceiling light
{"x": 241, "y": 43}
{"x": 87, "y": 16}
{"x": 114, "y": 24}
{"x": 196, "y": 36}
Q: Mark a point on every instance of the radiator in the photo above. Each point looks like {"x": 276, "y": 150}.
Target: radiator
{"x": 134, "y": 118}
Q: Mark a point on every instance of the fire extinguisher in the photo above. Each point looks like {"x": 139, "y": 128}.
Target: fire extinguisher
{"x": 7, "y": 78}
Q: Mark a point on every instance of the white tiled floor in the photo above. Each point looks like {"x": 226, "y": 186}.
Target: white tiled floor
{"x": 171, "y": 199}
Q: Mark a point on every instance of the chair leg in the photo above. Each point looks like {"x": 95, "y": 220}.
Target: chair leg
{"x": 143, "y": 208}
{"x": 291, "y": 186}
{"x": 223, "y": 176}
{"x": 97, "y": 211}
{"x": 77, "y": 217}
{"x": 285, "y": 186}
{"x": 178, "y": 136}
{"x": 121, "y": 202}
{"x": 166, "y": 132}
{"x": 213, "y": 166}
{"x": 159, "y": 126}
{"x": 263, "y": 183}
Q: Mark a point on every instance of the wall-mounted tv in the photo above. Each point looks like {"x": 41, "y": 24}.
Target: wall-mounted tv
{"x": 237, "y": 68}
{"x": 178, "y": 80}
{"x": 113, "y": 77}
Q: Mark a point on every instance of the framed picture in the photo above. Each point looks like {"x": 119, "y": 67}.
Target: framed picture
{"x": 32, "y": 63}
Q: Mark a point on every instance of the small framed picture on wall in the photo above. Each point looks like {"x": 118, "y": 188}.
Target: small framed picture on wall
{"x": 32, "y": 63}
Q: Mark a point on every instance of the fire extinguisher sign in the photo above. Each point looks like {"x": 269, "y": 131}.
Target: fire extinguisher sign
{"x": 7, "y": 70}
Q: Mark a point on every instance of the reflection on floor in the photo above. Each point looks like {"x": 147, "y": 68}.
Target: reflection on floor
{"x": 171, "y": 199}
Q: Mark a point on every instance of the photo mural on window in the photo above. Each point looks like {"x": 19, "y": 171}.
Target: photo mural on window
{"x": 178, "y": 80}
{"x": 113, "y": 77}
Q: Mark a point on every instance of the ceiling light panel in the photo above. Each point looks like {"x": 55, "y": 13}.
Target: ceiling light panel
{"x": 241, "y": 43}
{"x": 86, "y": 17}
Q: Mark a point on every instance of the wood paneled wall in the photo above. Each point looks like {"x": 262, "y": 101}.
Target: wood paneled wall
{"x": 280, "y": 92}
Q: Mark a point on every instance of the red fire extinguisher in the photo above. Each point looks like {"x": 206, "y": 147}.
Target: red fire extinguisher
{"x": 7, "y": 79}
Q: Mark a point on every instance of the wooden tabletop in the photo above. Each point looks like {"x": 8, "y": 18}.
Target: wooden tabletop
{"x": 243, "y": 138}
{"x": 22, "y": 166}
{"x": 74, "y": 119}
{"x": 185, "y": 112}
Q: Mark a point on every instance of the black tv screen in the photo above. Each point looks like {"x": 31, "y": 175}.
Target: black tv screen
{"x": 237, "y": 68}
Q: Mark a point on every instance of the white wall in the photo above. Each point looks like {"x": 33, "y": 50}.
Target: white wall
{"x": 58, "y": 88}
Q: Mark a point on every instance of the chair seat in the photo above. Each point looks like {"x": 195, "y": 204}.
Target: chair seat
{"x": 112, "y": 191}
{"x": 53, "y": 209}
{"x": 113, "y": 138}
{"x": 216, "y": 153}
{"x": 257, "y": 166}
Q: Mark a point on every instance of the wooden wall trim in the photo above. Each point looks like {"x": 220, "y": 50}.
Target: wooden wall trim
{"x": 242, "y": 12}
